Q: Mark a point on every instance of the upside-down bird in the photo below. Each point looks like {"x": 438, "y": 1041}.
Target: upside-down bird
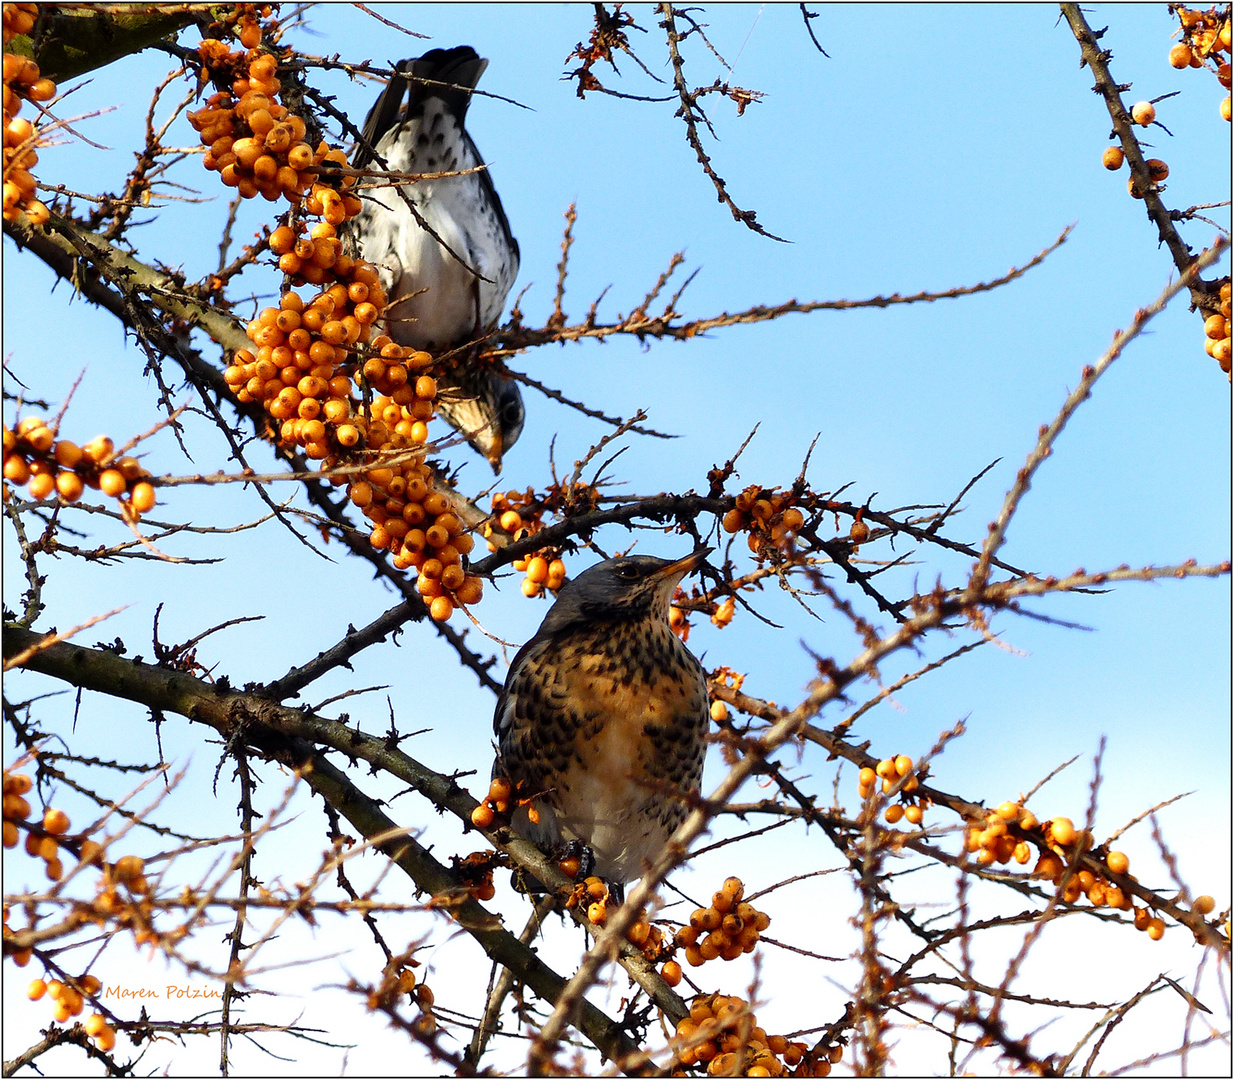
{"x": 604, "y": 716}
{"x": 450, "y": 289}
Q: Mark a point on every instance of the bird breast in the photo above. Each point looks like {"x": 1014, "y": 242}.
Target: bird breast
{"x": 610, "y": 724}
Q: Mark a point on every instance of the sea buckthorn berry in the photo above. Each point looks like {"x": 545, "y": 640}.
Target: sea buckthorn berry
{"x": 1156, "y": 928}
{"x": 112, "y": 482}
{"x": 1180, "y": 56}
{"x": 55, "y": 822}
{"x": 129, "y": 868}
{"x": 41, "y": 485}
{"x": 482, "y": 817}
{"x": 1143, "y": 113}
{"x": 1158, "y": 170}
{"x": 1062, "y": 831}
{"x": 1117, "y": 862}
{"x": 1203, "y": 905}
{"x": 441, "y": 608}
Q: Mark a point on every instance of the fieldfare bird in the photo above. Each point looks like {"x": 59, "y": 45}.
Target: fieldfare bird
{"x": 451, "y": 288}
{"x": 604, "y": 716}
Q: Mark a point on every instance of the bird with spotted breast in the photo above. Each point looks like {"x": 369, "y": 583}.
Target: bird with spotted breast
{"x": 451, "y": 288}
{"x": 604, "y": 716}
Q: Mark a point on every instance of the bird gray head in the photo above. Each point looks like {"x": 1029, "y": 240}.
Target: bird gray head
{"x": 633, "y": 586}
{"x": 483, "y": 406}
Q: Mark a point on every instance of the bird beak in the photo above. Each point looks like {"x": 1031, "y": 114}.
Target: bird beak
{"x": 494, "y": 454}
{"x": 682, "y": 567}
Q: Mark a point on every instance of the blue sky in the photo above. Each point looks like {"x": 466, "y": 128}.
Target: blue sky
{"x": 937, "y": 147}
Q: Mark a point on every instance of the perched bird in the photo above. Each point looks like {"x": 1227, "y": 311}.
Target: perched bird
{"x": 442, "y": 298}
{"x": 604, "y": 716}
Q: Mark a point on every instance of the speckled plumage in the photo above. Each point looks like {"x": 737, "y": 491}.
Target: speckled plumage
{"x": 436, "y": 302}
{"x": 605, "y": 712}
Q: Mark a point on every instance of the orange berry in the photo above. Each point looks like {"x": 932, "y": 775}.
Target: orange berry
{"x": 55, "y": 822}
{"x": 1158, "y": 170}
{"x": 1112, "y": 158}
{"x": 1062, "y": 830}
{"x": 671, "y": 972}
{"x": 1143, "y": 113}
{"x": 1117, "y": 862}
{"x": 537, "y": 569}
{"x": 1203, "y": 905}
{"x": 69, "y": 486}
{"x": 129, "y": 867}
{"x": 1156, "y": 929}
{"x": 482, "y": 816}
{"x": 112, "y": 482}
{"x": 95, "y": 1024}
{"x": 142, "y": 498}
{"x": 41, "y": 485}
{"x": 67, "y": 454}
{"x": 441, "y": 608}
{"x": 1180, "y": 56}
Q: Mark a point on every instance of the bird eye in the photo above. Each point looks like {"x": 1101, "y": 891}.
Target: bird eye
{"x": 627, "y": 571}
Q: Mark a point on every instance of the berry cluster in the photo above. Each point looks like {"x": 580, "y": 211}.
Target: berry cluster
{"x": 891, "y": 771}
{"x": 722, "y": 1029}
{"x": 500, "y": 803}
{"x": 305, "y": 355}
{"x": 255, "y": 143}
{"x": 1205, "y": 36}
{"x": 400, "y": 981}
{"x": 476, "y": 873}
{"x": 70, "y": 1002}
{"x": 543, "y": 570}
{"x": 513, "y": 513}
{"x": 726, "y": 929}
{"x": 991, "y": 841}
{"x": 48, "y": 841}
{"x": 643, "y": 935}
{"x": 1217, "y": 331}
{"x": 305, "y": 358}
{"x": 34, "y": 457}
{"x": 21, "y": 81}
{"x": 768, "y": 517}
